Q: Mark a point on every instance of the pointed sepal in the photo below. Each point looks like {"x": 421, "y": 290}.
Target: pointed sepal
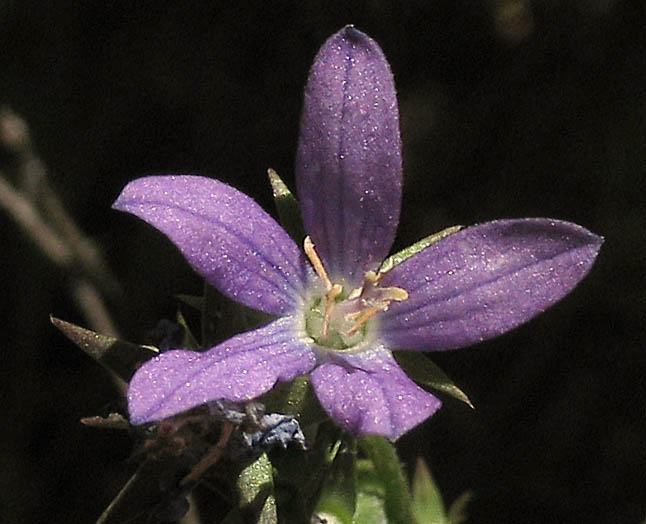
{"x": 427, "y": 500}
{"x": 426, "y": 373}
{"x": 420, "y": 245}
{"x": 289, "y": 212}
{"x": 121, "y": 357}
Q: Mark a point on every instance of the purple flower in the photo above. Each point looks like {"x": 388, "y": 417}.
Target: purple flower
{"x": 339, "y": 316}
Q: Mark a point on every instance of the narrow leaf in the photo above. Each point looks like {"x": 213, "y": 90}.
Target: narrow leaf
{"x": 118, "y": 356}
{"x": 423, "y": 371}
{"x": 398, "y": 503}
{"x": 289, "y": 214}
{"x": 418, "y": 246}
{"x": 427, "y": 500}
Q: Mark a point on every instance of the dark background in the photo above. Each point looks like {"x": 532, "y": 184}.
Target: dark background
{"x": 508, "y": 109}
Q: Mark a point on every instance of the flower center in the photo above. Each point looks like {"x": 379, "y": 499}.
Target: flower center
{"x": 341, "y": 320}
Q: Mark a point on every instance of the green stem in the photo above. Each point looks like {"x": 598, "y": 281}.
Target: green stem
{"x": 398, "y": 500}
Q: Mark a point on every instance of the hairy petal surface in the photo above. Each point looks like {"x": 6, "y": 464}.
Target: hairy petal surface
{"x": 239, "y": 369}
{"x": 225, "y": 236}
{"x": 485, "y": 280}
{"x": 348, "y": 165}
{"x": 367, "y": 393}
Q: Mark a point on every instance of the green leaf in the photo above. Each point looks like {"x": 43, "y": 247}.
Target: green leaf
{"x": 338, "y": 501}
{"x": 420, "y": 245}
{"x": 398, "y": 503}
{"x": 289, "y": 214}
{"x": 423, "y": 371}
{"x": 458, "y": 510}
{"x": 255, "y": 486}
{"x": 427, "y": 500}
{"x": 119, "y": 356}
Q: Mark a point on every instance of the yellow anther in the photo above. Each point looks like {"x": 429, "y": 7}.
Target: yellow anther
{"x": 308, "y": 247}
{"x": 396, "y": 294}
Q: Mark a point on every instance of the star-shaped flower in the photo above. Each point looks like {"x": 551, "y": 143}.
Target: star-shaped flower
{"x": 339, "y": 315}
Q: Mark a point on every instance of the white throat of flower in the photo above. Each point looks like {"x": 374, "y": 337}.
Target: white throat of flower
{"x": 338, "y": 319}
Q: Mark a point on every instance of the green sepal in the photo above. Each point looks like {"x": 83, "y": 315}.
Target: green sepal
{"x": 191, "y": 300}
{"x": 458, "y": 510}
{"x": 398, "y": 503}
{"x": 289, "y": 214}
{"x": 223, "y": 318}
{"x": 338, "y": 499}
{"x": 189, "y": 341}
{"x": 423, "y": 371}
{"x": 427, "y": 500}
{"x": 295, "y": 398}
{"x": 420, "y": 245}
{"x": 121, "y": 357}
{"x": 255, "y": 486}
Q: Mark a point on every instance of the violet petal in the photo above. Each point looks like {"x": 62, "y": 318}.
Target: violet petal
{"x": 225, "y": 236}
{"x": 484, "y": 281}
{"x": 348, "y": 166}
{"x": 367, "y": 393}
{"x": 239, "y": 369}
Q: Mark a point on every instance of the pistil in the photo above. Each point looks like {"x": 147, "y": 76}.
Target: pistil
{"x": 330, "y": 298}
{"x": 365, "y": 302}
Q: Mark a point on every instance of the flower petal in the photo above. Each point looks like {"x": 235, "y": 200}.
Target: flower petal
{"x": 368, "y": 393}
{"x": 225, "y": 236}
{"x": 239, "y": 369}
{"x": 485, "y": 280}
{"x": 348, "y": 166}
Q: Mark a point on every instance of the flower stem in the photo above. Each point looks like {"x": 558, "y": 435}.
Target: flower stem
{"x": 398, "y": 502}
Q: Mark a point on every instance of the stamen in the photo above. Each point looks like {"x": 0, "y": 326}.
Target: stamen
{"x": 375, "y": 299}
{"x": 364, "y": 316}
{"x": 329, "y": 306}
{"x": 308, "y": 247}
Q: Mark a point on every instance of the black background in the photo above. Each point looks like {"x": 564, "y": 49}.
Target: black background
{"x": 508, "y": 109}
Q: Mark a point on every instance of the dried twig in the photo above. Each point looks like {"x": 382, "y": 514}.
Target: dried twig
{"x": 38, "y": 210}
